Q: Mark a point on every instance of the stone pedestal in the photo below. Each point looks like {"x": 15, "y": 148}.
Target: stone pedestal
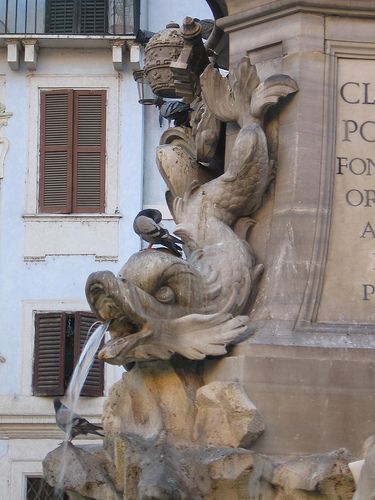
{"x": 309, "y": 368}
{"x": 314, "y": 400}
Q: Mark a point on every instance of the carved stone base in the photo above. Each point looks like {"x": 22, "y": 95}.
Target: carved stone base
{"x": 152, "y": 470}
{"x": 170, "y": 437}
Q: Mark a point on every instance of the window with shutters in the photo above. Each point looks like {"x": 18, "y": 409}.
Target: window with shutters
{"x": 59, "y": 340}
{"x": 72, "y": 151}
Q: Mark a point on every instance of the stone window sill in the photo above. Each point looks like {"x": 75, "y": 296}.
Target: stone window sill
{"x": 71, "y": 234}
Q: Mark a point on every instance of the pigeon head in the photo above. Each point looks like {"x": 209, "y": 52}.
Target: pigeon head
{"x": 57, "y": 403}
{"x": 153, "y": 213}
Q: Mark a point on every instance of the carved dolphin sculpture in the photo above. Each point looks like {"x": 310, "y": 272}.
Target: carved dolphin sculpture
{"x": 159, "y": 304}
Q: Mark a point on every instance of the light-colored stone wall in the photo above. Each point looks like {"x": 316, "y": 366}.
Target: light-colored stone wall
{"x": 310, "y": 376}
{"x": 291, "y": 237}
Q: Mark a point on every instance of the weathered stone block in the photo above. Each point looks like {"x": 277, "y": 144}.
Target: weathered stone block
{"x": 366, "y": 484}
{"x": 83, "y": 470}
{"x": 226, "y": 416}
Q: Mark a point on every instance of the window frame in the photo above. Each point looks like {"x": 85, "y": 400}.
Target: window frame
{"x": 51, "y": 234}
{"x": 20, "y": 470}
{"x": 112, "y": 373}
{"x": 109, "y": 83}
{"x": 40, "y": 381}
{"x": 72, "y": 148}
{"x": 61, "y": 495}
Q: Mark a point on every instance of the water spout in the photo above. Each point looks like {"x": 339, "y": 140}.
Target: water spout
{"x": 76, "y": 383}
{"x": 84, "y": 364}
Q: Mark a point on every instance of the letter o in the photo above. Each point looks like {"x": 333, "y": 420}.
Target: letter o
{"x": 364, "y": 165}
{"x": 351, "y": 202}
{"x": 362, "y": 131}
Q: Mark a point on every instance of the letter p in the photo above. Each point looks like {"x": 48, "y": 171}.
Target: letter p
{"x": 368, "y": 290}
{"x": 350, "y": 126}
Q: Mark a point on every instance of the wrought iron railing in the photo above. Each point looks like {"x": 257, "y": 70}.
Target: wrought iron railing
{"x": 76, "y": 17}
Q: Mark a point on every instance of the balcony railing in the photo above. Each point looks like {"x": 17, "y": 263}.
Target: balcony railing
{"x": 69, "y": 17}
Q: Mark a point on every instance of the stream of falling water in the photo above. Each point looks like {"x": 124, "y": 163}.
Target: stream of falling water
{"x": 76, "y": 383}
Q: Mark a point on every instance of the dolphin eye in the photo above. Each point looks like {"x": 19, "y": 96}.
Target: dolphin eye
{"x": 166, "y": 295}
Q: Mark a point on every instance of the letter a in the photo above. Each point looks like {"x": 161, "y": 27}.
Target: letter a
{"x": 368, "y": 229}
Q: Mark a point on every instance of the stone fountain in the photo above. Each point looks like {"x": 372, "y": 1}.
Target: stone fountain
{"x": 170, "y": 433}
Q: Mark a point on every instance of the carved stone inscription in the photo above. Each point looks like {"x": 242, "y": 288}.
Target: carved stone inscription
{"x": 348, "y": 294}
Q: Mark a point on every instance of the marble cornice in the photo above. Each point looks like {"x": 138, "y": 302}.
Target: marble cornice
{"x": 282, "y": 8}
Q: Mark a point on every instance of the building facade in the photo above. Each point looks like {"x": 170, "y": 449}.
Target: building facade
{"x": 76, "y": 165}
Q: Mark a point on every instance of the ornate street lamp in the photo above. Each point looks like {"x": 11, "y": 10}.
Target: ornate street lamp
{"x": 145, "y": 93}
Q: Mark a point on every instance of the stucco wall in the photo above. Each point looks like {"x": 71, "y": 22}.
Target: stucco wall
{"x": 45, "y": 261}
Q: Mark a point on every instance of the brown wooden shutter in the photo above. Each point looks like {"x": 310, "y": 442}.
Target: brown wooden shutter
{"x": 61, "y": 16}
{"x": 49, "y": 353}
{"x": 55, "y": 182}
{"x": 89, "y": 151}
{"x": 93, "y": 18}
{"x": 94, "y": 384}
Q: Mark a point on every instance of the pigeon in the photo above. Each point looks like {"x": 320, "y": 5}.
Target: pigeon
{"x": 147, "y": 226}
{"x": 207, "y": 26}
{"x": 73, "y": 423}
{"x": 177, "y": 111}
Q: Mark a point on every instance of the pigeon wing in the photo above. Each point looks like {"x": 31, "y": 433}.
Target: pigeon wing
{"x": 165, "y": 235}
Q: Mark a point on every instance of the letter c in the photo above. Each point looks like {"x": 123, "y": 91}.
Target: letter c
{"x": 343, "y": 87}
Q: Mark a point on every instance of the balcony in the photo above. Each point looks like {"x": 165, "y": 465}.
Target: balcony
{"x": 29, "y": 25}
{"x": 75, "y": 18}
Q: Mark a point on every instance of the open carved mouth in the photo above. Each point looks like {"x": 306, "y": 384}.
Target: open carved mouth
{"x": 123, "y": 341}
{"x": 106, "y": 308}
{"x": 122, "y": 327}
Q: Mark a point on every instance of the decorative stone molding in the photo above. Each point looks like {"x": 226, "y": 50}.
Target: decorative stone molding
{"x": 13, "y": 53}
{"x": 30, "y": 417}
{"x": 276, "y": 9}
{"x": 33, "y": 427}
{"x": 38, "y": 245}
{"x": 135, "y": 55}
{"x": 31, "y": 53}
{"x": 163, "y": 48}
{"x": 309, "y": 319}
{"x": 117, "y": 54}
{"x": 118, "y": 47}
{"x": 4, "y": 143}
